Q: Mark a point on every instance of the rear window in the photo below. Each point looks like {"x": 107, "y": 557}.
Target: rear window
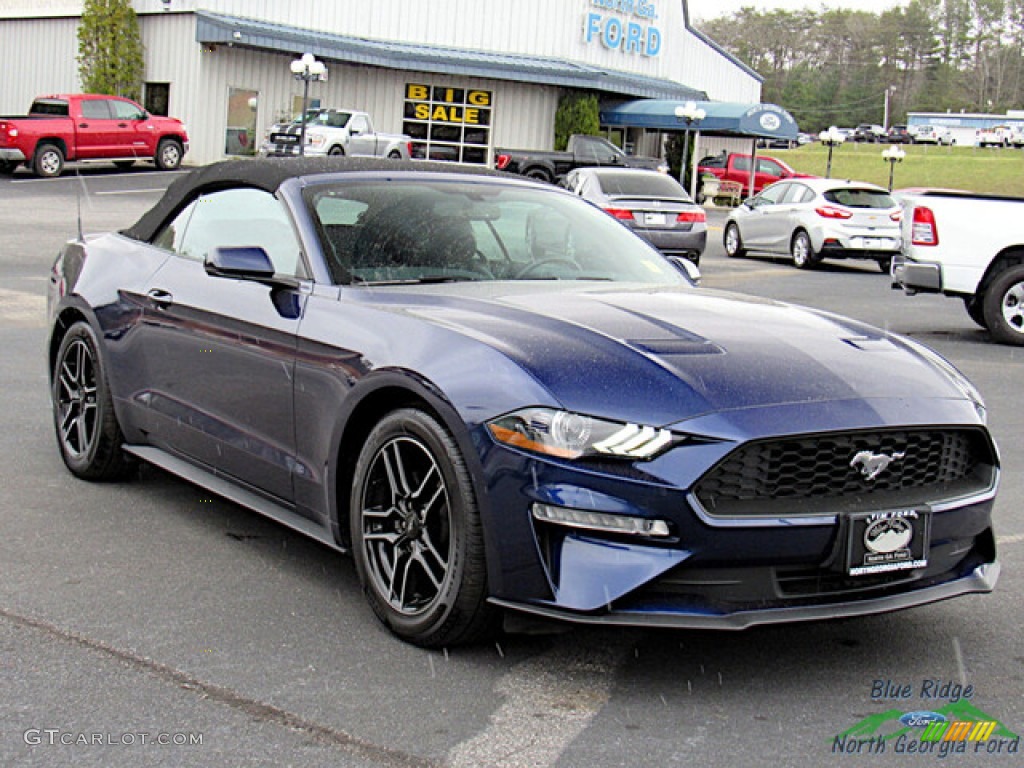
{"x": 860, "y": 198}
{"x": 55, "y": 108}
{"x": 641, "y": 185}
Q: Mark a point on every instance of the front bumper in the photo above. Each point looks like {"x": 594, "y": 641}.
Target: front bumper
{"x": 980, "y": 580}
{"x": 916, "y": 276}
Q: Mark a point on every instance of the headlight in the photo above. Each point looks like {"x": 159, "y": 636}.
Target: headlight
{"x": 568, "y": 435}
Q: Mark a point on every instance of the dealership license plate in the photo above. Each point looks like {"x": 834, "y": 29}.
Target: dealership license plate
{"x": 878, "y": 243}
{"x": 888, "y": 541}
{"x": 654, "y": 219}
{"x": 284, "y": 138}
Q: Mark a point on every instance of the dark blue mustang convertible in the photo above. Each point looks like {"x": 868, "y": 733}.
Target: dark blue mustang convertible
{"x": 495, "y": 396}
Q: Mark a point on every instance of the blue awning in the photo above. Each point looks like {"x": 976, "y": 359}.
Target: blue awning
{"x": 723, "y": 118}
{"x": 218, "y": 29}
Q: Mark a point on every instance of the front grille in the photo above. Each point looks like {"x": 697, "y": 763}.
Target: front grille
{"x": 816, "y": 474}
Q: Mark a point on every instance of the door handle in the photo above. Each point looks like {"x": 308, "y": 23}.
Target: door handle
{"x": 83, "y": 125}
{"x": 160, "y": 297}
{"x": 122, "y": 125}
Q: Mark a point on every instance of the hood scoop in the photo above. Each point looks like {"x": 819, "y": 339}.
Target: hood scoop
{"x": 693, "y": 345}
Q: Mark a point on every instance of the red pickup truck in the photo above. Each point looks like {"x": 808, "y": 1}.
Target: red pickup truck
{"x": 735, "y": 167}
{"x": 89, "y": 127}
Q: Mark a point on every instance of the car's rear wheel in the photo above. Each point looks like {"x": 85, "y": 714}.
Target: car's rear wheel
{"x": 88, "y": 434}
{"x": 7, "y": 166}
{"x": 168, "y": 155}
{"x": 48, "y": 161}
{"x": 802, "y": 251}
{"x": 540, "y": 174}
{"x": 336, "y": 151}
{"x": 416, "y": 533}
{"x": 1003, "y": 306}
{"x": 885, "y": 264}
{"x": 976, "y": 310}
{"x": 732, "y": 242}
{"x": 394, "y": 154}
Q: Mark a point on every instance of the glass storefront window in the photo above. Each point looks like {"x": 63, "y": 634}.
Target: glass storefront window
{"x": 243, "y": 106}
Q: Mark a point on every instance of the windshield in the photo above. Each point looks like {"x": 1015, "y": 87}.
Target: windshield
{"x": 420, "y": 231}
{"x": 328, "y": 117}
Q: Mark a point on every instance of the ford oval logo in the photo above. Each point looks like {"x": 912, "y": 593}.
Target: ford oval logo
{"x": 921, "y": 719}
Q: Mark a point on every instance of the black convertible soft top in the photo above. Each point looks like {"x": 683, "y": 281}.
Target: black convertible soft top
{"x": 268, "y": 174}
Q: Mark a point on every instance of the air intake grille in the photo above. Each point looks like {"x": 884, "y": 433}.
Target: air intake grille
{"x": 829, "y": 473}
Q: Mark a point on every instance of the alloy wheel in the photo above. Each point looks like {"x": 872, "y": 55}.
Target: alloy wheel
{"x": 76, "y": 399}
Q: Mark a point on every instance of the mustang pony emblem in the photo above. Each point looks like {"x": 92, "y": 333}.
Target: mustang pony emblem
{"x": 873, "y": 464}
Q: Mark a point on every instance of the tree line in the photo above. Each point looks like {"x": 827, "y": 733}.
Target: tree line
{"x": 833, "y": 67}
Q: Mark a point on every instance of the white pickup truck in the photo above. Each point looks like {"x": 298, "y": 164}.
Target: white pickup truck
{"x": 335, "y": 132}
{"x": 967, "y": 246}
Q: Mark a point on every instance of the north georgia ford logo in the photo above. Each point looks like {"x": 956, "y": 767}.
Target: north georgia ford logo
{"x": 770, "y": 122}
{"x": 888, "y": 535}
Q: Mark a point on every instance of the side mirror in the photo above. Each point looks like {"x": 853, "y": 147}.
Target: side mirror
{"x": 246, "y": 262}
{"x": 687, "y": 267}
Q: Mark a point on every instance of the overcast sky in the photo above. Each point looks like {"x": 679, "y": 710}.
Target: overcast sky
{"x": 709, "y": 9}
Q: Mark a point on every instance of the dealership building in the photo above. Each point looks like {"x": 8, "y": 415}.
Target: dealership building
{"x": 461, "y": 77}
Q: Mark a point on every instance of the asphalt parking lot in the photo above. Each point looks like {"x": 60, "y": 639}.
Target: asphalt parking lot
{"x": 146, "y": 623}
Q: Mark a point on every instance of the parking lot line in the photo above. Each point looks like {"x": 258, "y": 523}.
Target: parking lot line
{"x": 21, "y": 309}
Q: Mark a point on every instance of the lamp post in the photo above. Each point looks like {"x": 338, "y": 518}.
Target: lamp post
{"x": 690, "y": 113}
{"x": 306, "y": 69}
{"x": 893, "y": 155}
{"x": 831, "y": 138}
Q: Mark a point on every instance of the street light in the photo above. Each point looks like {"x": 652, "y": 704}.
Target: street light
{"x": 831, "y": 138}
{"x": 893, "y": 155}
{"x": 691, "y": 113}
{"x": 305, "y": 69}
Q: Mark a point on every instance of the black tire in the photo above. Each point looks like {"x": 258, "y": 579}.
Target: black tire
{"x": 422, "y": 566}
{"x": 48, "y": 161}
{"x": 540, "y": 174}
{"x": 7, "y": 167}
{"x": 732, "y": 242}
{"x": 802, "y": 251}
{"x": 976, "y": 310}
{"x": 1003, "y": 306}
{"x": 169, "y": 154}
{"x": 88, "y": 434}
{"x": 885, "y": 264}
{"x": 394, "y": 154}
{"x": 336, "y": 151}
{"x": 124, "y": 164}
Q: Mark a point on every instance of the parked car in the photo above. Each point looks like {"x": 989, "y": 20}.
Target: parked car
{"x": 1016, "y": 138}
{"x": 899, "y": 134}
{"x": 870, "y": 132}
{"x": 654, "y": 205}
{"x": 582, "y": 151}
{"x": 86, "y": 126}
{"x": 496, "y": 397}
{"x": 967, "y": 246}
{"x": 815, "y": 219}
{"x": 335, "y": 132}
{"x": 934, "y": 134}
{"x": 731, "y": 166}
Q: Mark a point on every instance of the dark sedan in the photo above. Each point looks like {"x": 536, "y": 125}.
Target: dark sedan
{"x": 496, "y": 397}
{"x": 653, "y": 205}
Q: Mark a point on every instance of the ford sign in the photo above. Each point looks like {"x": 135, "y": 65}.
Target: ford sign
{"x": 921, "y": 719}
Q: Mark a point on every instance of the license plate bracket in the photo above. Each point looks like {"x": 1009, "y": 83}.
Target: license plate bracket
{"x": 880, "y": 542}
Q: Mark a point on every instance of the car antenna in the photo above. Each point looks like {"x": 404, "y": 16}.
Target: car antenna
{"x": 78, "y": 203}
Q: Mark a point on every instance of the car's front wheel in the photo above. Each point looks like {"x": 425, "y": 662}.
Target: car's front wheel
{"x": 802, "y": 251}
{"x": 975, "y": 310}
{"x": 83, "y": 411}
{"x": 1003, "y": 306}
{"x": 416, "y": 533}
{"x": 169, "y": 154}
{"x": 732, "y": 241}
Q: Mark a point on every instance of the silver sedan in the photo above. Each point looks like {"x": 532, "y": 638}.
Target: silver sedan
{"x": 814, "y": 219}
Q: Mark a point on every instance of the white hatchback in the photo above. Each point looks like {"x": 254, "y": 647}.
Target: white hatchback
{"x": 814, "y": 219}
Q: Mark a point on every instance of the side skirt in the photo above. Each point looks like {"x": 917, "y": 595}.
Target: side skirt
{"x": 233, "y": 492}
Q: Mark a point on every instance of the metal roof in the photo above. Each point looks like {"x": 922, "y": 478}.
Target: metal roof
{"x": 722, "y": 118}
{"x": 213, "y": 28}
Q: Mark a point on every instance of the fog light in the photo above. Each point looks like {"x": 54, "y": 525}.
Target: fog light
{"x": 601, "y": 521}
